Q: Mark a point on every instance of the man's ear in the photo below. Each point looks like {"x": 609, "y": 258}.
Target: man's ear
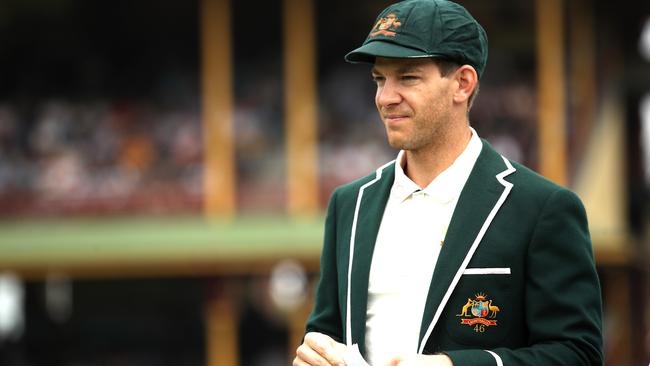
{"x": 467, "y": 78}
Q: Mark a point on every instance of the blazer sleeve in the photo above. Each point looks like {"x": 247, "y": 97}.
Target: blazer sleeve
{"x": 563, "y": 301}
{"x": 326, "y": 316}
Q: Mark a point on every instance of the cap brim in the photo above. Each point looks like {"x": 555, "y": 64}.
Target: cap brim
{"x": 369, "y": 51}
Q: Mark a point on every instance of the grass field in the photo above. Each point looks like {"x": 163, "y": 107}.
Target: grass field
{"x": 155, "y": 244}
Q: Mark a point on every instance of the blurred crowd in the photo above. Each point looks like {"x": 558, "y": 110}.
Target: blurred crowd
{"x": 62, "y": 156}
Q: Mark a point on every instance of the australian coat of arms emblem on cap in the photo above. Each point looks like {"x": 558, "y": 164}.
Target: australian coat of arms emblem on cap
{"x": 386, "y": 26}
{"x": 479, "y": 313}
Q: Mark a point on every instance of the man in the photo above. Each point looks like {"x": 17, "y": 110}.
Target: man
{"x": 451, "y": 254}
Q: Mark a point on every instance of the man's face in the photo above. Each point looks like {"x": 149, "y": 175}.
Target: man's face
{"x": 413, "y": 100}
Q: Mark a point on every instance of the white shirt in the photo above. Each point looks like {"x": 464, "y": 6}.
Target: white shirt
{"x": 409, "y": 240}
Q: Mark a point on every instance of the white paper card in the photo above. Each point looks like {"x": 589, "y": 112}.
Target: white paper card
{"x": 352, "y": 356}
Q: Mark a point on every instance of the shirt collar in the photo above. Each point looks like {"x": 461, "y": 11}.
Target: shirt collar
{"x": 448, "y": 184}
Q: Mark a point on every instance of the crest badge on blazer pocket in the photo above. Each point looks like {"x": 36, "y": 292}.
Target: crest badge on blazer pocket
{"x": 479, "y": 313}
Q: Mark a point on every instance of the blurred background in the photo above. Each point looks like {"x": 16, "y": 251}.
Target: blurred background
{"x": 165, "y": 165}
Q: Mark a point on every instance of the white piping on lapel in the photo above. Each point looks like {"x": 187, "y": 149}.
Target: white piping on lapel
{"x": 348, "y": 321}
{"x": 496, "y": 358}
{"x": 508, "y": 187}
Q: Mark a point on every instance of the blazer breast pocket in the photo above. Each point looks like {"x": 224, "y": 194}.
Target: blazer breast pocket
{"x": 479, "y": 312}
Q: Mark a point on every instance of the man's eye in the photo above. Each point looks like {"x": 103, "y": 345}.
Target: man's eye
{"x": 377, "y": 79}
{"x": 409, "y": 77}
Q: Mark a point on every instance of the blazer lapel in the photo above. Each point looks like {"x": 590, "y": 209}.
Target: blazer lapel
{"x": 371, "y": 202}
{"x": 479, "y": 201}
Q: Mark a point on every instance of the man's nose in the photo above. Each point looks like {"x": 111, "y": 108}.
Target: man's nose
{"x": 388, "y": 94}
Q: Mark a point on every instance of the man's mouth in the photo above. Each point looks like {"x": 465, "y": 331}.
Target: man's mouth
{"x": 395, "y": 118}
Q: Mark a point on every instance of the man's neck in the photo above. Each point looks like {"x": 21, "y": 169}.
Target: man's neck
{"x": 424, "y": 165}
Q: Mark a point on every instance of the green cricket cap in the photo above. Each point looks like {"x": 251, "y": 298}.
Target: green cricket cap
{"x": 425, "y": 28}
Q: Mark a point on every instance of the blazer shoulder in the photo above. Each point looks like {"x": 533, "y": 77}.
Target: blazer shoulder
{"x": 525, "y": 175}
{"x": 533, "y": 184}
{"x": 524, "y": 179}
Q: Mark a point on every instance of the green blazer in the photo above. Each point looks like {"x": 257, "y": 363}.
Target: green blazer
{"x": 515, "y": 282}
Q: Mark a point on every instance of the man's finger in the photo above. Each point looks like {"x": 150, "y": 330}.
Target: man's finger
{"x": 326, "y": 347}
{"x": 299, "y": 362}
{"x": 310, "y": 356}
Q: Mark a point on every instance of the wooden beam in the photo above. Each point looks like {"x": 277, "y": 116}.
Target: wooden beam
{"x": 300, "y": 103}
{"x": 551, "y": 90}
{"x": 221, "y": 323}
{"x": 583, "y": 77}
{"x": 617, "y": 306}
{"x": 217, "y": 109}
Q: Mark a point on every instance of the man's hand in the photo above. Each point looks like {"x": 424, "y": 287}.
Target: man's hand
{"x": 421, "y": 360}
{"x": 319, "y": 350}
